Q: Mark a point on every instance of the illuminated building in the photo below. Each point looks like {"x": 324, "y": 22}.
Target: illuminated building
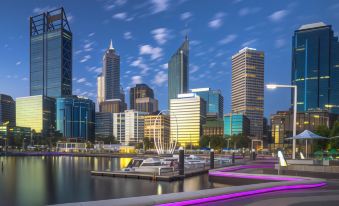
{"x": 236, "y": 124}
{"x": 187, "y": 115}
{"x": 315, "y": 67}
{"x": 36, "y": 112}
{"x": 248, "y": 87}
{"x": 112, "y": 106}
{"x": 160, "y": 124}
{"x": 214, "y": 101}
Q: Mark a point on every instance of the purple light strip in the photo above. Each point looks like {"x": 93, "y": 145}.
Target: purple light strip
{"x": 242, "y": 194}
{"x": 247, "y": 167}
{"x": 253, "y": 176}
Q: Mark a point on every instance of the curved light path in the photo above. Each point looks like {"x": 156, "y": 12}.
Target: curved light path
{"x": 293, "y": 183}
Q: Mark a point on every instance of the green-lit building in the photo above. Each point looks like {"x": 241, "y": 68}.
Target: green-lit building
{"x": 236, "y": 123}
{"x": 36, "y": 112}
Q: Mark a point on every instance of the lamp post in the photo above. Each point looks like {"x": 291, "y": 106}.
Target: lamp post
{"x": 274, "y": 86}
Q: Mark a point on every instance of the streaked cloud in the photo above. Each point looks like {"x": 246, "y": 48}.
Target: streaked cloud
{"x": 85, "y": 58}
{"x": 154, "y": 52}
{"x": 18, "y": 63}
{"x": 141, "y": 65}
{"x": 81, "y": 80}
{"x": 136, "y": 80}
{"x": 159, "y": 6}
{"x": 186, "y": 15}
{"x": 278, "y": 15}
{"x": 128, "y": 35}
{"x": 228, "y": 39}
{"x": 216, "y": 21}
{"x": 160, "y": 78}
{"x": 160, "y": 35}
{"x": 249, "y": 43}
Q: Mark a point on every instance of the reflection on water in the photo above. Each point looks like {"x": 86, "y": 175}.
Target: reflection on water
{"x": 51, "y": 180}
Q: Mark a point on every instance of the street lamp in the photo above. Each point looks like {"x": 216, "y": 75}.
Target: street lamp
{"x": 274, "y": 86}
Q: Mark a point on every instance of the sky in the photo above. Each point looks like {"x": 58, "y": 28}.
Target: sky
{"x": 146, "y": 33}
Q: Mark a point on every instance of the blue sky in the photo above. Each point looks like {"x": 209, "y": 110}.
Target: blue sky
{"x": 146, "y": 33}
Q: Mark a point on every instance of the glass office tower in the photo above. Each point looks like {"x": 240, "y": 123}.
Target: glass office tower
{"x": 178, "y": 71}
{"x": 139, "y": 91}
{"x": 75, "y": 117}
{"x": 36, "y": 112}
{"x": 103, "y": 125}
{"x": 235, "y": 124}
{"x": 50, "y": 54}
{"x": 315, "y": 67}
{"x": 7, "y": 110}
{"x": 214, "y": 101}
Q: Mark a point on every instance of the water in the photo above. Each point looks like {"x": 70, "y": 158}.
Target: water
{"x": 60, "y": 179}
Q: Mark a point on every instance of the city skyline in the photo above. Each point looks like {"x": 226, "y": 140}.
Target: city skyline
{"x": 143, "y": 57}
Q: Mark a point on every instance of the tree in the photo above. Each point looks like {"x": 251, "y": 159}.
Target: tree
{"x": 240, "y": 141}
{"x": 321, "y": 144}
{"x": 335, "y": 132}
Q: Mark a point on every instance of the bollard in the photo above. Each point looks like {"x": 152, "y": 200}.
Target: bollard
{"x": 212, "y": 159}
{"x": 233, "y": 158}
{"x": 181, "y": 161}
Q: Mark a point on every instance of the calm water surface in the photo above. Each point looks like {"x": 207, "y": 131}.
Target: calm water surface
{"x": 54, "y": 180}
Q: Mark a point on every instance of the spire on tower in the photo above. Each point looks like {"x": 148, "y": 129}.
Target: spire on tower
{"x": 111, "y": 46}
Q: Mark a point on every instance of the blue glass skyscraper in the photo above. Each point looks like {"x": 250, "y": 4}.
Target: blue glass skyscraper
{"x": 315, "y": 67}
{"x": 214, "y": 101}
{"x": 75, "y": 117}
{"x": 50, "y": 54}
{"x": 178, "y": 71}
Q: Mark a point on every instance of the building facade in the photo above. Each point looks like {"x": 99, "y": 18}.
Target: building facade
{"x": 50, "y": 54}
{"x": 187, "y": 115}
{"x": 178, "y": 71}
{"x": 75, "y": 117}
{"x": 139, "y": 91}
{"x": 282, "y": 123}
{"x": 36, "y": 112}
{"x": 236, "y": 124}
{"x": 213, "y": 128}
{"x": 7, "y": 110}
{"x": 112, "y": 106}
{"x": 103, "y": 125}
{"x": 128, "y": 127}
{"x": 158, "y": 125}
{"x": 248, "y": 88}
{"x": 315, "y": 67}
{"x": 214, "y": 101}
{"x": 146, "y": 104}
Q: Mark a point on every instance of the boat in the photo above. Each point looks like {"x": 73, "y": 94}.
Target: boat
{"x": 150, "y": 165}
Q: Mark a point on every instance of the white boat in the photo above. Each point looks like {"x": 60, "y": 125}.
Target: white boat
{"x": 149, "y": 165}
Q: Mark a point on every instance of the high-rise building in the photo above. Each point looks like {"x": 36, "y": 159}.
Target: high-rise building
{"x": 158, "y": 124}
{"x": 213, "y": 128}
{"x": 103, "y": 124}
{"x": 112, "y": 106}
{"x": 128, "y": 127}
{"x": 36, "y": 112}
{"x": 75, "y": 117}
{"x": 50, "y": 54}
{"x": 146, "y": 104}
{"x": 315, "y": 67}
{"x": 7, "y": 110}
{"x": 187, "y": 115}
{"x": 140, "y": 91}
{"x": 248, "y": 87}
{"x": 101, "y": 89}
{"x": 111, "y": 74}
{"x": 178, "y": 71}
{"x": 235, "y": 124}
{"x": 214, "y": 101}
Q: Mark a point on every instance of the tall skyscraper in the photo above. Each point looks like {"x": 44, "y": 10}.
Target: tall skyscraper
{"x": 111, "y": 74}
{"x": 7, "y": 110}
{"x": 103, "y": 124}
{"x": 75, "y": 117}
{"x": 214, "y": 101}
{"x": 248, "y": 87}
{"x": 36, "y": 112}
{"x": 187, "y": 115}
{"x": 139, "y": 91}
{"x": 235, "y": 124}
{"x": 50, "y": 54}
{"x": 315, "y": 67}
{"x": 178, "y": 71}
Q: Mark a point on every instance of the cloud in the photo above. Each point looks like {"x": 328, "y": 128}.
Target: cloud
{"x": 136, "y": 80}
{"x": 279, "y": 43}
{"x": 246, "y": 11}
{"x": 128, "y": 35}
{"x": 140, "y": 64}
{"x": 278, "y": 15}
{"x": 81, "y": 80}
{"x": 18, "y": 63}
{"x": 85, "y": 58}
{"x": 160, "y": 35}
{"x": 122, "y": 16}
{"x": 88, "y": 46}
{"x": 194, "y": 68}
{"x": 185, "y": 16}
{"x": 120, "y": 2}
{"x": 91, "y": 34}
{"x": 24, "y": 79}
{"x": 39, "y": 10}
{"x": 249, "y": 43}
{"x": 164, "y": 66}
{"x": 160, "y": 78}
{"x": 228, "y": 39}
{"x": 217, "y": 21}
{"x": 70, "y": 18}
{"x": 155, "y": 52}
{"x": 94, "y": 69}
{"x": 159, "y": 6}
{"x": 212, "y": 64}
{"x": 89, "y": 84}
